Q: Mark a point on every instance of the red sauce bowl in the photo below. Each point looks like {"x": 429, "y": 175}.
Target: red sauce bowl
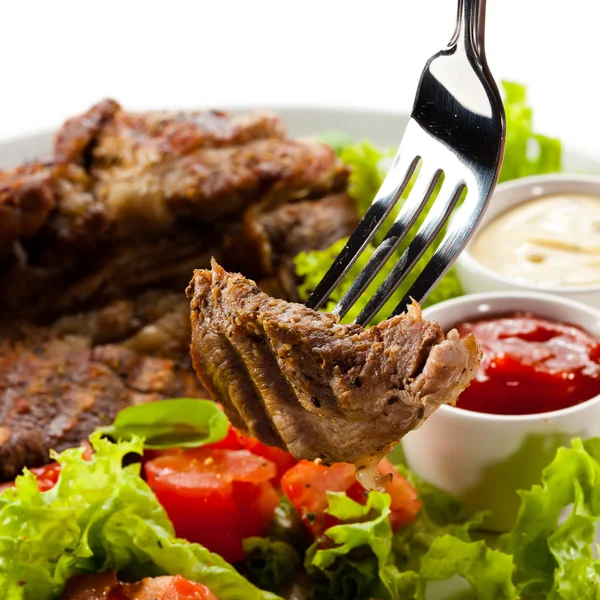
{"x": 484, "y": 457}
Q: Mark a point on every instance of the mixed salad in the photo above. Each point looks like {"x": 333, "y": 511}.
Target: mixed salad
{"x": 171, "y": 488}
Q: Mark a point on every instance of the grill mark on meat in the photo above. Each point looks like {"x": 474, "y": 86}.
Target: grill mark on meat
{"x": 306, "y": 366}
{"x": 258, "y": 421}
{"x": 243, "y": 405}
{"x": 219, "y": 351}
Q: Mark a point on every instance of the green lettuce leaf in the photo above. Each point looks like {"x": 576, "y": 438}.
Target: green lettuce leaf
{"x": 366, "y": 560}
{"x": 359, "y": 564}
{"x": 269, "y": 564}
{"x": 489, "y": 572}
{"x": 175, "y": 423}
{"x": 555, "y": 559}
{"x": 442, "y": 514}
{"x": 526, "y": 152}
{"x": 100, "y": 516}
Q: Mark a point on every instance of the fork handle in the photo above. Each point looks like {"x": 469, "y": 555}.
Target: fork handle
{"x": 470, "y": 26}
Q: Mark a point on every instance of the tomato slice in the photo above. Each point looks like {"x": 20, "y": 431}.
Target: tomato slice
{"x": 405, "y": 504}
{"x": 235, "y": 440}
{"x": 282, "y": 459}
{"x": 257, "y": 504}
{"x": 307, "y": 484}
{"x": 215, "y": 497}
{"x": 184, "y": 589}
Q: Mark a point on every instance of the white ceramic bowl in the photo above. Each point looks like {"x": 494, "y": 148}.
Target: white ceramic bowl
{"x": 485, "y": 458}
{"x": 476, "y": 278}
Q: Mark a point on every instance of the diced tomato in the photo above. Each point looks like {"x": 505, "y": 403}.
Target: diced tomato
{"x": 284, "y": 460}
{"x": 46, "y": 476}
{"x": 231, "y": 441}
{"x": 184, "y": 589}
{"x": 235, "y": 440}
{"x": 257, "y": 503}
{"x": 215, "y": 497}
{"x": 307, "y": 484}
{"x": 105, "y": 586}
{"x": 405, "y": 504}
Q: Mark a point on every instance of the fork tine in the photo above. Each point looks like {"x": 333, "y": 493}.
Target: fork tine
{"x": 438, "y": 215}
{"x": 393, "y": 185}
{"x": 412, "y": 208}
{"x": 456, "y": 238}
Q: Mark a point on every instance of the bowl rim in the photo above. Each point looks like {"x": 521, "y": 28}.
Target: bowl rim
{"x": 455, "y": 412}
{"x": 468, "y": 261}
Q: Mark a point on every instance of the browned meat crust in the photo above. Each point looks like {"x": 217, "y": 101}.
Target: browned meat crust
{"x": 300, "y": 380}
{"x": 58, "y": 383}
{"x": 295, "y": 227}
{"x": 130, "y": 201}
{"x": 147, "y": 170}
{"x": 54, "y": 393}
{"x": 26, "y": 199}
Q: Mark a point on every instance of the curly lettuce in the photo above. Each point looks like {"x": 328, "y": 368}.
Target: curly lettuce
{"x": 100, "y": 516}
{"x": 488, "y": 572}
{"x": 359, "y": 564}
{"x": 553, "y": 551}
{"x": 549, "y": 554}
{"x": 363, "y": 558}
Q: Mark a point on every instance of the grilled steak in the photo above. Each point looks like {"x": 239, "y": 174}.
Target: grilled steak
{"x": 54, "y": 393}
{"x": 300, "y": 380}
{"x": 115, "y": 174}
{"x": 130, "y": 201}
{"x": 99, "y": 239}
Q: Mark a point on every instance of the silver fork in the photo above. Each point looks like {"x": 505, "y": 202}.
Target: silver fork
{"x": 457, "y": 127}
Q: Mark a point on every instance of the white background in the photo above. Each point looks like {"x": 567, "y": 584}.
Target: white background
{"x": 58, "y": 57}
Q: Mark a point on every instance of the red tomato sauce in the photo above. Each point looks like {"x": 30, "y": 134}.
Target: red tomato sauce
{"x": 530, "y": 366}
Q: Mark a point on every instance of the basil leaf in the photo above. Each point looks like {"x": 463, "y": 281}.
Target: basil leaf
{"x": 181, "y": 422}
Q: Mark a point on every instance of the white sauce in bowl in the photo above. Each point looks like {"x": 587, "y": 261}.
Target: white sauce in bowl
{"x": 553, "y": 240}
